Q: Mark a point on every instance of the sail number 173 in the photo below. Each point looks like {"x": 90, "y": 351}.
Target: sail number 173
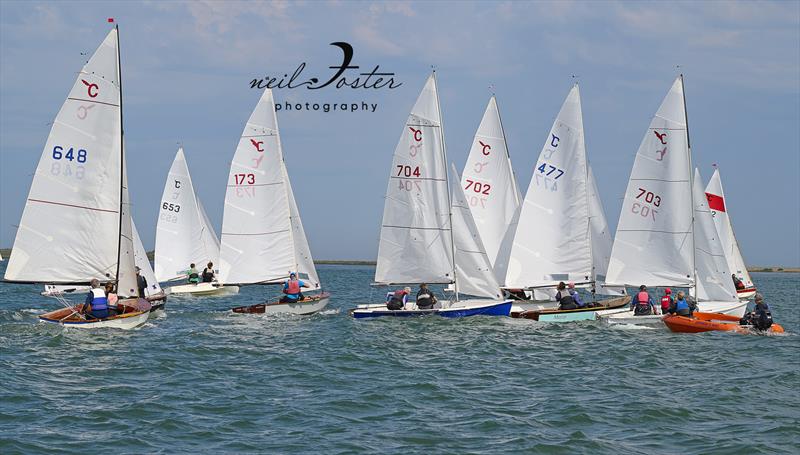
{"x": 248, "y": 179}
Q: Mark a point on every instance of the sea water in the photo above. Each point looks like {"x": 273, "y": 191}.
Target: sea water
{"x": 203, "y": 380}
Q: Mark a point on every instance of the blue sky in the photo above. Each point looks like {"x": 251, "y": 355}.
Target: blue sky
{"x": 187, "y": 68}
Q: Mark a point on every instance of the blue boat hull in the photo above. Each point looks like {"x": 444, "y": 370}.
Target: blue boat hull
{"x": 498, "y": 309}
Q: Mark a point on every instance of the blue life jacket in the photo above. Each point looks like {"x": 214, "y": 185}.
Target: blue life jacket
{"x": 681, "y": 305}
{"x": 99, "y": 300}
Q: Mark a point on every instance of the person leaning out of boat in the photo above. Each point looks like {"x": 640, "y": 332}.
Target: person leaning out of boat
{"x": 666, "y": 301}
{"x": 208, "y": 273}
{"x": 96, "y": 304}
{"x": 291, "y": 289}
{"x": 761, "y": 317}
{"x": 642, "y": 304}
{"x": 737, "y": 282}
{"x": 564, "y": 299}
{"x": 682, "y": 307}
{"x": 425, "y": 298}
{"x": 194, "y": 275}
{"x": 141, "y": 282}
{"x": 396, "y": 300}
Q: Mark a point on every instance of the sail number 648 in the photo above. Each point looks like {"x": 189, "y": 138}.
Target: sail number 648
{"x": 71, "y": 154}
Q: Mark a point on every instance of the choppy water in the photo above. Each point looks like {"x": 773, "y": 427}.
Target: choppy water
{"x": 203, "y": 380}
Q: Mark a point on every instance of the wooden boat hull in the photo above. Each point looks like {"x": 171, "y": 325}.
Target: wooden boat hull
{"x": 708, "y": 322}
{"x": 459, "y": 309}
{"x": 735, "y": 309}
{"x": 746, "y": 293}
{"x": 158, "y": 302}
{"x": 310, "y": 305}
{"x": 132, "y": 313}
{"x": 580, "y": 314}
{"x": 202, "y": 289}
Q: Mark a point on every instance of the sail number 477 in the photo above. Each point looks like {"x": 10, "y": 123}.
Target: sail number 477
{"x": 647, "y": 207}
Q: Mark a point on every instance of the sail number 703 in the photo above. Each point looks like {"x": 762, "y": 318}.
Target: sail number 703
{"x": 644, "y": 208}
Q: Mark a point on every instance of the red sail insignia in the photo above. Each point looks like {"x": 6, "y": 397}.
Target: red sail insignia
{"x": 715, "y": 202}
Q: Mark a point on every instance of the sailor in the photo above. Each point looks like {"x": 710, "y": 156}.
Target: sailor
{"x": 397, "y": 300}
{"x": 96, "y": 304}
{"x": 291, "y": 289}
{"x": 111, "y": 296}
{"x": 737, "y": 282}
{"x": 425, "y": 297}
{"x": 564, "y": 299}
{"x": 194, "y": 275}
{"x": 682, "y": 307}
{"x": 666, "y": 301}
{"x": 574, "y": 294}
{"x": 208, "y": 273}
{"x": 141, "y": 282}
{"x": 643, "y": 304}
{"x": 762, "y": 317}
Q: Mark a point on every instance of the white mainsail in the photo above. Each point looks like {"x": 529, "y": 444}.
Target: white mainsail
{"x": 713, "y": 275}
{"x": 473, "y": 268}
{"x": 552, "y": 240}
{"x": 601, "y": 238}
{"x": 262, "y": 237}
{"x": 184, "y": 234}
{"x": 416, "y": 239}
{"x": 70, "y": 227}
{"x": 653, "y": 243}
{"x": 718, "y": 204}
{"x": 142, "y": 261}
{"x": 488, "y": 180}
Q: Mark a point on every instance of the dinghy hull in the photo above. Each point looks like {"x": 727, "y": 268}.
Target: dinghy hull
{"x": 736, "y": 309}
{"x": 521, "y": 306}
{"x": 580, "y": 314}
{"x": 202, "y": 289}
{"x": 712, "y": 322}
{"x": 132, "y": 313}
{"x": 459, "y": 310}
{"x": 746, "y": 293}
{"x": 310, "y": 305}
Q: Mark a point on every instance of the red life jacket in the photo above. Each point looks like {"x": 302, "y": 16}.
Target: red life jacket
{"x": 665, "y": 301}
{"x": 400, "y": 293}
{"x": 643, "y": 297}
{"x": 293, "y": 287}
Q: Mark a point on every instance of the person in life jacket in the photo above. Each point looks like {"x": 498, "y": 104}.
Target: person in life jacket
{"x": 397, "y": 300}
{"x": 761, "y": 317}
{"x": 291, "y": 289}
{"x": 737, "y": 282}
{"x": 666, "y": 301}
{"x": 564, "y": 299}
{"x": 194, "y": 275}
{"x": 642, "y": 304}
{"x": 682, "y": 307}
{"x": 141, "y": 283}
{"x": 574, "y": 294}
{"x": 425, "y": 297}
{"x": 208, "y": 273}
{"x": 96, "y": 304}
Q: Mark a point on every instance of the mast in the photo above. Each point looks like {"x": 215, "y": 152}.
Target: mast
{"x": 446, "y": 179}
{"x": 508, "y": 155}
{"x": 285, "y": 174}
{"x": 691, "y": 185}
{"x": 121, "y": 160}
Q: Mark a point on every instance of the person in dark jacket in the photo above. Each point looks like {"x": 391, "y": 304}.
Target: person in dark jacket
{"x": 761, "y": 317}
{"x": 208, "y": 273}
{"x": 564, "y": 299}
{"x": 396, "y": 300}
{"x": 425, "y": 297}
{"x": 141, "y": 283}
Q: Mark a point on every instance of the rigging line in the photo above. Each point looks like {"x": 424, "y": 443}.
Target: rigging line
{"x": 95, "y": 102}
{"x": 415, "y": 228}
{"x": 256, "y": 233}
{"x": 73, "y": 205}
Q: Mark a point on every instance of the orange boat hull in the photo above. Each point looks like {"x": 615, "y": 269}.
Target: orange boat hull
{"x": 707, "y": 322}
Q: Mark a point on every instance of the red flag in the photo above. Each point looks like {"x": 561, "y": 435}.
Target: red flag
{"x": 715, "y": 202}
{"x": 110, "y": 20}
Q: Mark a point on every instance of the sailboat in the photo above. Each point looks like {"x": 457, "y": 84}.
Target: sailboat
{"x": 428, "y": 234}
{"x": 665, "y": 237}
{"x": 555, "y": 239}
{"x": 263, "y": 239}
{"x": 722, "y": 221}
{"x": 184, "y": 234}
{"x": 76, "y": 224}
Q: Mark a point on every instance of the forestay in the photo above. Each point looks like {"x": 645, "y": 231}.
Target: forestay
{"x": 184, "y": 234}
{"x": 601, "y": 239}
{"x": 262, "y": 237}
{"x": 713, "y": 275}
{"x": 718, "y": 204}
{"x": 416, "y": 239}
{"x": 552, "y": 239}
{"x": 474, "y": 274}
{"x": 654, "y": 244}
{"x": 488, "y": 180}
{"x": 70, "y": 227}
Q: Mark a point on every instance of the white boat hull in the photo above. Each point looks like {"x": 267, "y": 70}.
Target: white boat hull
{"x": 627, "y": 317}
{"x": 202, "y": 289}
{"x": 310, "y": 305}
{"x": 137, "y": 313}
{"x": 462, "y": 308}
{"x": 521, "y": 306}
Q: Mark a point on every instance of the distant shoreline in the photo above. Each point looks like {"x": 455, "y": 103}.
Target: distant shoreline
{"x": 776, "y": 269}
